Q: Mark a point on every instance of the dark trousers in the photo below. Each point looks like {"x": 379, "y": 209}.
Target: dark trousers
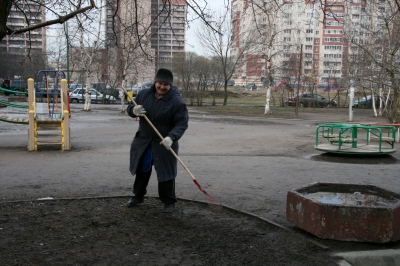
{"x": 166, "y": 190}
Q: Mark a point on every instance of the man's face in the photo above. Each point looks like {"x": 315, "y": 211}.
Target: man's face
{"x": 162, "y": 88}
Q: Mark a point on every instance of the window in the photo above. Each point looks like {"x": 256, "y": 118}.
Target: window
{"x": 333, "y": 39}
{"x": 334, "y": 23}
{"x": 334, "y": 15}
{"x": 288, "y": 7}
{"x": 287, "y": 31}
{"x": 332, "y": 55}
{"x": 309, "y": 39}
{"x": 333, "y": 47}
{"x": 286, "y": 39}
{"x": 309, "y": 31}
{"x": 333, "y": 31}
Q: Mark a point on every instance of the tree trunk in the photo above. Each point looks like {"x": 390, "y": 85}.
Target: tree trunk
{"x": 267, "y": 108}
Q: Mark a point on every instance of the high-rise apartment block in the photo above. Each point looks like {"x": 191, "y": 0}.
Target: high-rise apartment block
{"x": 17, "y": 47}
{"x": 160, "y": 23}
{"x": 327, "y": 33}
{"x": 168, "y": 30}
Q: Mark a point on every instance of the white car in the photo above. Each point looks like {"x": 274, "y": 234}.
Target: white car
{"x": 78, "y": 95}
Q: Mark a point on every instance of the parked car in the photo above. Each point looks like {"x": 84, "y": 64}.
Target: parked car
{"x": 310, "y": 100}
{"x": 230, "y": 83}
{"x": 362, "y": 102}
{"x": 42, "y": 87}
{"x": 105, "y": 88}
{"x": 78, "y": 95}
{"x": 15, "y": 85}
{"x": 74, "y": 86}
{"x": 366, "y": 102}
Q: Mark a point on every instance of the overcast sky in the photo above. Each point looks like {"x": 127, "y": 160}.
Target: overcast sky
{"x": 191, "y": 40}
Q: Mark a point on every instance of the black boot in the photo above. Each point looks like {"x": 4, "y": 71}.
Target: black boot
{"x": 166, "y": 191}
{"x": 139, "y": 188}
{"x": 133, "y": 202}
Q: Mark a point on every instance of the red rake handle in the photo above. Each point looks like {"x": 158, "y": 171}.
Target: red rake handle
{"x": 161, "y": 137}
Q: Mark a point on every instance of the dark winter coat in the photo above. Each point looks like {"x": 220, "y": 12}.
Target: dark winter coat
{"x": 169, "y": 115}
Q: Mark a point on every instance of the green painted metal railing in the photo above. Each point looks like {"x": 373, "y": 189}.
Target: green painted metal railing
{"x": 13, "y": 92}
{"x": 13, "y": 104}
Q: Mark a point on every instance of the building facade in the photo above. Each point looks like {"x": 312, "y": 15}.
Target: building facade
{"x": 16, "y": 48}
{"x": 161, "y": 28}
{"x": 310, "y": 39}
{"x": 168, "y": 30}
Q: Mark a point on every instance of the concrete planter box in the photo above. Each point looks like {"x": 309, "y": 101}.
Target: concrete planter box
{"x": 347, "y": 212}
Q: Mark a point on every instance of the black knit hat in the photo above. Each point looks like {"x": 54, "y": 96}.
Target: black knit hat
{"x": 164, "y": 75}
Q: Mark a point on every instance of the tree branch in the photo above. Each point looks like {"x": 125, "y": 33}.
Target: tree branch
{"x": 60, "y": 20}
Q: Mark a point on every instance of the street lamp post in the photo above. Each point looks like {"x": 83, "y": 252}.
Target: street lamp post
{"x": 67, "y": 38}
{"x": 66, "y": 34}
{"x": 351, "y": 101}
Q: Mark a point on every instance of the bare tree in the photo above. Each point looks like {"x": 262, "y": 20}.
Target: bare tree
{"x": 218, "y": 44}
{"x": 375, "y": 48}
{"x": 89, "y": 45}
{"x": 53, "y": 7}
{"x": 184, "y": 66}
{"x": 131, "y": 57}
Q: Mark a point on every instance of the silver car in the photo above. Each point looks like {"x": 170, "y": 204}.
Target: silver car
{"x": 78, "y": 95}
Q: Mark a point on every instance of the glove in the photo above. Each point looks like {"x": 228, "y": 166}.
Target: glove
{"x": 167, "y": 142}
{"x": 138, "y": 110}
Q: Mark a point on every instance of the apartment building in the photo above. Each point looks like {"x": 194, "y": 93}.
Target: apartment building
{"x": 162, "y": 25}
{"x": 168, "y": 30}
{"x": 17, "y": 47}
{"x": 322, "y": 35}
{"x": 128, "y": 47}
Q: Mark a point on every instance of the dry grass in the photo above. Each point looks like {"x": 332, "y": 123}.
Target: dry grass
{"x": 252, "y": 104}
{"x": 240, "y": 96}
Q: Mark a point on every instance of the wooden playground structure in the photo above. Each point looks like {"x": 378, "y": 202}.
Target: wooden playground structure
{"x": 355, "y": 139}
{"x": 48, "y": 122}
